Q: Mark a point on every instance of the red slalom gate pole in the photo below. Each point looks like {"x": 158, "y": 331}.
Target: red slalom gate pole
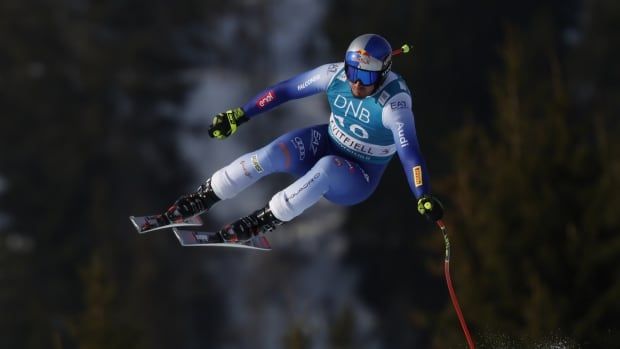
{"x": 455, "y": 302}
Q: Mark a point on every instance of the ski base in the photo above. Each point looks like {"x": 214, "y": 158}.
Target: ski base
{"x": 145, "y": 224}
{"x": 204, "y": 238}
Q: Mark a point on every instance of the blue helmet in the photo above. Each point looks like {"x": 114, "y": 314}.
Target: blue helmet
{"x": 368, "y": 59}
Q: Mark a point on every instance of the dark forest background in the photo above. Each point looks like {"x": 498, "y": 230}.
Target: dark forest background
{"x": 516, "y": 108}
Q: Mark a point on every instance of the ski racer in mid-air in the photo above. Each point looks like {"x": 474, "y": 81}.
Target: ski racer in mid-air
{"x": 371, "y": 119}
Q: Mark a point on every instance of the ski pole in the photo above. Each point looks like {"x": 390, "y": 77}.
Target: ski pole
{"x": 455, "y": 302}
{"x": 403, "y": 49}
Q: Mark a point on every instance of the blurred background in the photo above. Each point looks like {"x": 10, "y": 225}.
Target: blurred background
{"x": 104, "y": 111}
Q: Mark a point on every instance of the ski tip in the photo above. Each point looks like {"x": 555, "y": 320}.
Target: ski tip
{"x": 143, "y": 224}
{"x": 135, "y": 224}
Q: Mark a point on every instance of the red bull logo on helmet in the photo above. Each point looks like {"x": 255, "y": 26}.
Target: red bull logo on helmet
{"x": 362, "y": 57}
{"x": 365, "y": 60}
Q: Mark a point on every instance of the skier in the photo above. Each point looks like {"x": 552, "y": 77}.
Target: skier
{"x": 371, "y": 119}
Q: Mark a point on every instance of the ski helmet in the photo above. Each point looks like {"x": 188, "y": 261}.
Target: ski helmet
{"x": 368, "y": 59}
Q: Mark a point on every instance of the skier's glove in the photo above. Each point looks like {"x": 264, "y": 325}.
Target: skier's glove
{"x": 430, "y": 207}
{"x": 226, "y": 123}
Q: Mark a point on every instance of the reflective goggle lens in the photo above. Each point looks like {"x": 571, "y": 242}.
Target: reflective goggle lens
{"x": 365, "y": 77}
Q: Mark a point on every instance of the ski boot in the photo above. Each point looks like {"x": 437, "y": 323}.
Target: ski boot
{"x": 192, "y": 204}
{"x": 261, "y": 221}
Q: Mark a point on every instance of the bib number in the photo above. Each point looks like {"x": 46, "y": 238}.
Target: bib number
{"x": 354, "y": 128}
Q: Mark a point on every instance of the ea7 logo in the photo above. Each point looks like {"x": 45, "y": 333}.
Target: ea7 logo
{"x": 398, "y": 105}
{"x": 314, "y": 144}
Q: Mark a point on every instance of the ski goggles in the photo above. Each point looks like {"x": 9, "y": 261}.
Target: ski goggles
{"x": 365, "y": 77}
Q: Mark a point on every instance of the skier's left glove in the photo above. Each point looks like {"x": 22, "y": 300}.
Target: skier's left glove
{"x": 430, "y": 207}
{"x": 226, "y": 123}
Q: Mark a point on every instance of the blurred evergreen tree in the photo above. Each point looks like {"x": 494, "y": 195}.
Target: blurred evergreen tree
{"x": 102, "y": 325}
{"x": 534, "y": 206}
{"x": 341, "y": 330}
{"x": 90, "y": 93}
{"x": 296, "y": 338}
{"x": 90, "y": 97}
{"x": 526, "y": 131}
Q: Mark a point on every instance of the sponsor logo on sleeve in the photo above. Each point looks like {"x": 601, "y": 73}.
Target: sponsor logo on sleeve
{"x": 398, "y": 105}
{"x": 417, "y": 176}
{"x": 404, "y": 142}
{"x": 308, "y": 82}
{"x": 256, "y": 164}
{"x": 266, "y": 99}
{"x": 332, "y": 68}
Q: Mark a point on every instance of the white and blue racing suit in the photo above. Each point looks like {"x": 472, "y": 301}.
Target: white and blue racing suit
{"x": 343, "y": 160}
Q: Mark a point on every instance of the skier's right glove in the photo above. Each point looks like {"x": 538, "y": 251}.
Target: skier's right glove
{"x": 430, "y": 207}
{"x": 226, "y": 123}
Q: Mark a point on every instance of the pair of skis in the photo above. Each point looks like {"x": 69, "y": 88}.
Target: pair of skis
{"x": 145, "y": 224}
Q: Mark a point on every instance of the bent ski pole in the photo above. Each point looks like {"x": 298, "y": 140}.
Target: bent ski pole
{"x": 455, "y": 302}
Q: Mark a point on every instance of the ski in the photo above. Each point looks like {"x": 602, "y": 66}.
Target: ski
{"x": 203, "y": 238}
{"x": 145, "y": 224}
